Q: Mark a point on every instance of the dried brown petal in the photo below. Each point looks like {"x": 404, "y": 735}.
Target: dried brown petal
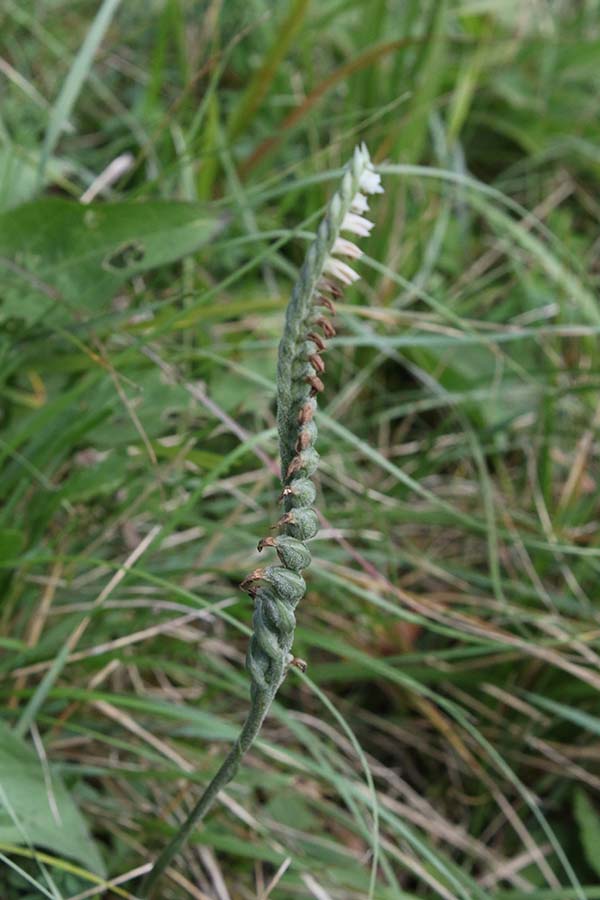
{"x": 298, "y": 663}
{"x": 286, "y": 519}
{"x": 303, "y": 442}
{"x": 294, "y": 466}
{"x": 249, "y": 580}
{"x": 325, "y": 284}
{"x": 317, "y": 339}
{"x": 266, "y": 542}
{"x": 306, "y": 413}
{"x": 325, "y": 301}
{"x": 316, "y": 362}
{"x": 325, "y": 324}
{"x": 316, "y": 384}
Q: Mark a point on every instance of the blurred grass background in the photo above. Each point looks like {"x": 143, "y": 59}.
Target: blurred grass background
{"x": 446, "y": 743}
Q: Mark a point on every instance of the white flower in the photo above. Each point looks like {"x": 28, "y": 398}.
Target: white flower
{"x": 347, "y": 248}
{"x": 370, "y": 182}
{"x": 357, "y": 224}
{"x": 341, "y": 270}
{"x": 359, "y": 203}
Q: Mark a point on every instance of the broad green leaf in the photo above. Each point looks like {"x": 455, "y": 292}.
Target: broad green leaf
{"x": 58, "y": 256}
{"x": 29, "y": 816}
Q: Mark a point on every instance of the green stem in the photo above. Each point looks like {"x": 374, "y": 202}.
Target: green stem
{"x": 261, "y": 703}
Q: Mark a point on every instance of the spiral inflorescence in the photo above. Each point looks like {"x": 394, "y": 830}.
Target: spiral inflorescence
{"x": 277, "y": 590}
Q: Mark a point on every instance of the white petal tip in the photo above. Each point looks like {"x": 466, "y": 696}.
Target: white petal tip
{"x": 370, "y": 182}
{"x": 359, "y": 203}
{"x": 357, "y": 224}
{"x": 341, "y": 270}
{"x": 347, "y": 248}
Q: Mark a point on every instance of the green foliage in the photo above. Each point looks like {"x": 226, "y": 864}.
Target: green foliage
{"x": 36, "y": 808}
{"x": 589, "y": 825}
{"x": 65, "y": 260}
{"x": 450, "y": 622}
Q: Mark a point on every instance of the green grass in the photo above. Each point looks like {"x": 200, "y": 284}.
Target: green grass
{"x": 445, "y": 741}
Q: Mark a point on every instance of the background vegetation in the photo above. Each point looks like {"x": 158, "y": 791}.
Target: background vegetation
{"x": 446, "y": 743}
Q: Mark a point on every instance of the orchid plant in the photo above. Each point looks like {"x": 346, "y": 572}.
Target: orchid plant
{"x": 277, "y": 590}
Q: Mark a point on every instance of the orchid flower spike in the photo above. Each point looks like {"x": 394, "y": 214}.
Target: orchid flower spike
{"x": 328, "y": 256}
{"x": 277, "y": 590}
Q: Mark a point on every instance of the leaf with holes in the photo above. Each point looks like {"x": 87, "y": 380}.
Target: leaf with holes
{"x": 62, "y": 260}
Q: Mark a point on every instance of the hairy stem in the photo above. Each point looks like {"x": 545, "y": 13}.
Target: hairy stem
{"x": 224, "y": 775}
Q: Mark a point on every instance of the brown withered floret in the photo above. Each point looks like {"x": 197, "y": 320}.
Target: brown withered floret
{"x": 316, "y": 384}
{"x": 317, "y": 339}
{"x": 326, "y": 285}
{"x": 325, "y": 324}
{"x": 325, "y": 301}
{"x": 249, "y": 581}
{"x": 286, "y": 519}
{"x": 266, "y": 542}
{"x": 303, "y": 442}
{"x": 294, "y": 466}
{"x": 316, "y": 362}
{"x": 298, "y": 663}
{"x": 306, "y": 414}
